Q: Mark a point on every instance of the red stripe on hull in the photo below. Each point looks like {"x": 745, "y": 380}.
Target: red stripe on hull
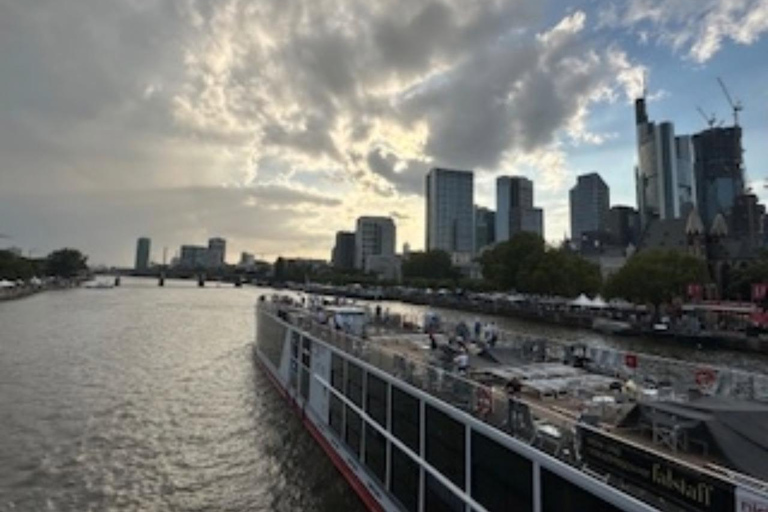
{"x": 362, "y": 491}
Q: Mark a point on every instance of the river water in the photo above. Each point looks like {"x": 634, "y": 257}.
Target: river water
{"x": 147, "y": 398}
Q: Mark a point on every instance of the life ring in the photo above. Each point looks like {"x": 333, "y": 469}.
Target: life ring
{"x": 705, "y": 378}
{"x": 483, "y": 402}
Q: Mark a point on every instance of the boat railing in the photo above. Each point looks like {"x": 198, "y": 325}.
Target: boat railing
{"x": 549, "y": 430}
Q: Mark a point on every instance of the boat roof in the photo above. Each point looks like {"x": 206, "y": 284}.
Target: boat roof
{"x": 346, "y": 310}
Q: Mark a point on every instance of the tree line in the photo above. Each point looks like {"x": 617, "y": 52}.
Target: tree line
{"x": 64, "y": 263}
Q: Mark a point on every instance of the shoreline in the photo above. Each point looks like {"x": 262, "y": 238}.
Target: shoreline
{"x": 730, "y": 340}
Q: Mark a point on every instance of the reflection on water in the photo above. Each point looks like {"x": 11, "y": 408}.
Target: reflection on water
{"x": 146, "y": 398}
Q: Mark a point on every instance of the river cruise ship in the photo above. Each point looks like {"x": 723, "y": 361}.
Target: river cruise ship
{"x": 425, "y": 416}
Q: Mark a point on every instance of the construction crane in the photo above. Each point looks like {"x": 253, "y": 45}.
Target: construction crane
{"x": 710, "y": 120}
{"x": 736, "y": 106}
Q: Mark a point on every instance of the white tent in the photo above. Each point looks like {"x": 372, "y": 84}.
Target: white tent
{"x": 4, "y": 283}
{"x": 581, "y": 301}
{"x": 599, "y": 302}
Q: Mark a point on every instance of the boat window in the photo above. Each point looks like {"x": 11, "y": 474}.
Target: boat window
{"x": 305, "y": 376}
{"x": 438, "y": 498}
{"x": 445, "y": 445}
{"x": 353, "y": 431}
{"x": 306, "y": 352}
{"x": 376, "y": 452}
{"x": 405, "y": 418}
{"x": 295, "y": 340}
{"x": 337, "y": 372}
{"x": 501, "y": 479}
{"x": 558, "y": 494}
{"x": 336, "y": 415}
{"x": 355, "y": 383}
{"x": 404, "y": 480}
{"x": 376, "y": 399}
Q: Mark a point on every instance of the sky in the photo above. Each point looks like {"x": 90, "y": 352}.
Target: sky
{"x": 275, "y": 123}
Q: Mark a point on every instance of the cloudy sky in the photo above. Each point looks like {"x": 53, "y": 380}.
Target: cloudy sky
{"x": 274, "y": 123}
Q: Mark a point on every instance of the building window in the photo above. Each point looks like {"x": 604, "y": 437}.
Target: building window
{"x": 501, "y": 479}
{"x": 405, "y": 418}
{"x": 445, "y": 445}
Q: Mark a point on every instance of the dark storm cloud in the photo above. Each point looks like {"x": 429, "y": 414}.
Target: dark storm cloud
{"x": 409, "y": 180}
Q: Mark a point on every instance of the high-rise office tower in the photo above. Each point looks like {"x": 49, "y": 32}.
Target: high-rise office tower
{"x": 590, "y": 202}
{"x": 450, "y": 211}
{"x": 485, "y": 227}
{"x": 515, "y": 212}
{"x": 664, "y": 178}
{"x": 375, "y": 236}
{"x": 718, "y": 170}
{"x": 343, "y": 256}
{"x": 624, "y": 225}
{"x": 142, "y": 253}
{"x": 217, "y": 252}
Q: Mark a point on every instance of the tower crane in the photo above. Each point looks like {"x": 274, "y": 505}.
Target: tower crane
{"x": 736, "y": 106}
{"x": 710, "y": 120}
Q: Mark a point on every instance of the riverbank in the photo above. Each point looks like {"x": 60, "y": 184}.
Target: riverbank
{"x": 23, "y": 291}
{"x": 694, "y": 328}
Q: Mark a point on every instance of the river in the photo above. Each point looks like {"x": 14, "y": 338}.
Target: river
{"x": 147, "y": 398}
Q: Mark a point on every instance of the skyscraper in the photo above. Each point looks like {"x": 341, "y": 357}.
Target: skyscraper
{"x": 515, "y": 212}
{"x": 142, "y": 253}
{"x": 217, "y": 252}
{"x": 664, "y": 180}
{"x": 343, "y": 256}
{"x": 375, "y": 236}
{"x": 450, "y": 211}
{"x": 590, "y": 202}
{"x": 624, "y": 225}
{"x": 485, "y": 227}
{"x": 719, "y": 171}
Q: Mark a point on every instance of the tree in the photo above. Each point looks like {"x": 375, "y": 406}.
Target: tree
{"x": 434, "y": 264}
{"x": 656, "y": 276}
{"x": 504, "y": 264}
{"x": 15, "y": 267}
{"x": 66, "y": 263}
{"x": 560, "y": 272}
{"x": 742, "y": 279}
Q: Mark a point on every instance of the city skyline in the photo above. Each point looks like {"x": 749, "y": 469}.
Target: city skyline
{"x": 179, "y": 123}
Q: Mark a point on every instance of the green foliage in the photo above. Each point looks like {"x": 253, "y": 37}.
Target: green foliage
{"x": 742, "y": 279}
{"x": 656, "y": 277}
{"x": 560, "y": 272}
{"x": 66, "y": 263}
{"x": 527, "y": 265}
{"x": 505, "y": 263}
{"x": 429, "y": 265}
{"x": 15, "y": 267}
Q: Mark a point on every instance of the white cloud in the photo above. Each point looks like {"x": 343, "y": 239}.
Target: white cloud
{"x": 699, "y": 28}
